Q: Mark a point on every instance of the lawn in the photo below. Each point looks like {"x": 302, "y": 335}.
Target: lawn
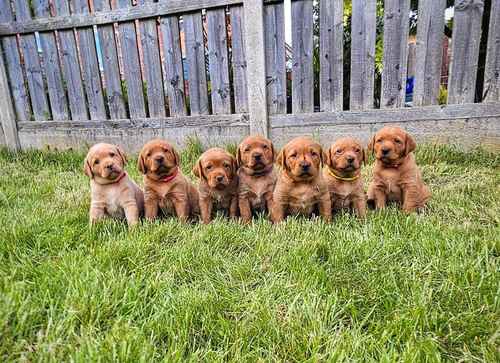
{"x": 394, "y": 288}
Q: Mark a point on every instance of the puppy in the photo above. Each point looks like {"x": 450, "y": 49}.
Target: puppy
{"x": 113, "y": 193}
{"x": 218, "y": 187}
{"x": 301, "y": 188}
{"x": 255, "y": 159}
{"x": 165, "y": 187}
{"x": 396, "y": 177}
{"x": 343, "y": 176}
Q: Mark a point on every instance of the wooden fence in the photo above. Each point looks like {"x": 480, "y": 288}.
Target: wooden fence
{"x": 75, "y": 72}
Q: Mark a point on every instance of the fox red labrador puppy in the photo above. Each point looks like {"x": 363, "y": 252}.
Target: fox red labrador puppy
{"x": 166, "y": 189}
{"x": 343, "y": 176}
{"x": 255, "y": 158}
{"x": 396, "y": 176}
{"x": 218, "y": 188}
{"x": 301, "y": 188}
{"x": 113, "y": 193}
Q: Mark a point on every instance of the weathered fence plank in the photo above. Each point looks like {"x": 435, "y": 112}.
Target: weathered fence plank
{"x": 111, "y": 69}
{"x": 169, "y": 7}
{"x": 174, "y": 75}
{"x": 491, "y": 92}
{"x": 465, "y": 51}
{"x": 90, "y": 65}
{"x": 34, "y": 75}
{"x": 7, "y": 116}
{"x": 195, "y": 57}
{"x": 331, "y": 51}
{"x": 13, "y": 67}
{"x": 71, "y": 66}
{"x": 429, "y": 51}
{"x": 56, "y": 92}
{"x": 131, "y": 66}
{"x": 396, "y": 23}
{"x": 363, "y": 32}
{"x": 302, "y": 57}
{"x": 239, "y": 61}
{"x": 256, "y": 71}
{"x": 152, "y": 66}
{"x": 218, "y": 62}
{"x": 274, "y": 33}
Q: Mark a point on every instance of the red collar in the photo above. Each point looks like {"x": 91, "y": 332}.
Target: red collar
{"x": 170, "y": 177}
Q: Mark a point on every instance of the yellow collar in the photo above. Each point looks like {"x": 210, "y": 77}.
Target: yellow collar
{"x": 330, "y": 171}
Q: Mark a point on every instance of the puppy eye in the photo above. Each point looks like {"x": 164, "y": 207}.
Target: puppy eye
{"x": 165, "y": 149}
{"x": 357, "y": 150}
{"x": 379, "y": 141}
{"x": 226, "y": 165}
{"x": 112, "y": 155}
{"x": 247, "y": 149}
{"x": 314, "y": 153}
{"x": 294, "y": 155}
{"x": 148, "y": 155}
{"x": 339, "y": 151}
{"x": 209, "y": 167}
{"x": 265, "y": 146}
{"x": 397, "y": 141}
{"x": 96, "y": 161}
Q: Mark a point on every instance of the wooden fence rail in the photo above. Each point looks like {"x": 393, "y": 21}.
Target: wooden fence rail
{"x": 80, "y": 71}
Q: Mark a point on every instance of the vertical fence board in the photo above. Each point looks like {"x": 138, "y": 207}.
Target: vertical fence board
{"x": 217, "y": 61}
{"x": 195, "y": 57}
{"x": 7, "y": 116}
{"x": 13, "y": 67}
{"x": 429, "y": 51}
{"x": 131, "y": 66}
{"x": 396, "y": 23}
{"x": 90, "y": 66}
{"x": 174, "y": 75}
{"x": 491, "y": 91}
{"x": 56, "y": 92}
{"x": 239, "y": 61}
{"x": 111, "y": 69}
{"x": 256, "y": 67}
{"x": 331, "y": 51}
{"x": 302, "y": 49}
{"x": 152, "y": 66}
{"x": 465, "y": 51}
{"x": 34, "y": 75}
{"x": 274, "y": 34}
{"x": 71, "y": 66}
{"x": 363, "y": 31}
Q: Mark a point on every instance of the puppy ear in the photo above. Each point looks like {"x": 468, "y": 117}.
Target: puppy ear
{"x": 234, "y": 164}
{"x": 363, "y": 156}
{"x": 324, "y": 157}
{"x": 176, "y": 156}
{"x": 281, "y": 159}
{"x": 141, "y": 164}
{"x": 198, "y": 170}
{"x": 371, "y": 144}
{"x": 87, "y": 169}
{"x": 328, "y": 157}
{"x": 273, "y": 152}
{"x": 122, "y": 154}
{"x": 238, "y": 157}
{"x": 410, "y": 144}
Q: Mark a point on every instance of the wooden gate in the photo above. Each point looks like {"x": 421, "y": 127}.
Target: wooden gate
{"x": 75, "y": 72}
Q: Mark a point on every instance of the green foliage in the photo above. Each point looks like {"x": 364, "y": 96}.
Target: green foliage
{"x": 392, "y": 288}
{"x": 443, "y": 95}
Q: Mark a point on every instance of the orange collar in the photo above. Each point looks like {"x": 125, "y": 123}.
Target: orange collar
{"x": 332, "y": 173}
{"x": 170, "y": 177}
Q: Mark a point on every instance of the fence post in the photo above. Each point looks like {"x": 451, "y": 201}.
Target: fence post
{"x": 7, "y": 116}
{"x": 256, "y": 66}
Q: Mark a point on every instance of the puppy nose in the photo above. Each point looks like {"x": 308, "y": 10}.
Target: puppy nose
{"x": 305, "y": 165}
{"x": 350, "y": 159}
{"x": 159, "y": 158}
{"x": 385, "y": 151}
{"x": 257, "y": 156}
{"x": 109, "y": 166}
{"x": 219, "y": 178}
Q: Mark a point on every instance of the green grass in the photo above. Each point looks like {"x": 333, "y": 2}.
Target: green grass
{"x": 394, "y": 288}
